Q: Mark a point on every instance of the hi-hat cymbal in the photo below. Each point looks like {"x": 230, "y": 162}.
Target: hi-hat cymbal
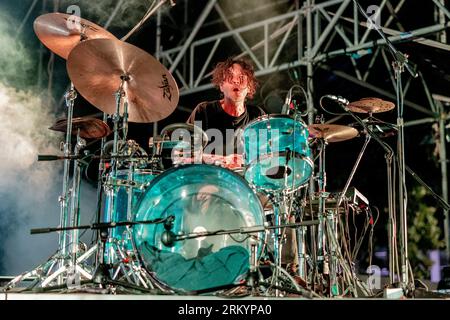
{"x": 370, "y": 105}
{"x": 61, "y": 32}
{"x": 90, "y": 128}
{"x": 332, "y": 132}
{"x": 98, "y": 67}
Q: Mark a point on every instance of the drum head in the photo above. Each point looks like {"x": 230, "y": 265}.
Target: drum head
{"x": 277, "y": 154}
{"x": 201, "y": 198}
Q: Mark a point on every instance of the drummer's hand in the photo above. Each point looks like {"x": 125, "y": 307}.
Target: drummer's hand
{"x": 234, "y": 161}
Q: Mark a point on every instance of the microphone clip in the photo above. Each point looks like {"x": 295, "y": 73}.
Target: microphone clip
{"x": 168, "y": 224}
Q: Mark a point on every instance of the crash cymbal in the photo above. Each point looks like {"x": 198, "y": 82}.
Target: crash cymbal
{"x": 331, "y": 132}
{"x": 61, "y": 32}
{"x": 90, "y": 128}
{"x": 97, "y": 68}
{"x": 370, "y": 105}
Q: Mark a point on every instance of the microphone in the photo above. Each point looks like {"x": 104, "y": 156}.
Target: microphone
{"x": 287, "y": 103}
{"x": 337, "y": 99}
{"x": 168, "y": 237}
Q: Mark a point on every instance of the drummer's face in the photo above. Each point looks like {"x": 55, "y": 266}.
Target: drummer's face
{"x": 235, "y": 84}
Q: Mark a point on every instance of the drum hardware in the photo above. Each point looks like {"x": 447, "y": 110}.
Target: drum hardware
{"x": 352, "y": 198}
{"x": 170, "y": 238}
{"x": 328, "y": 262}
{"x": 389, "y": 154}
{"x": 352, "y": 173}
{"x": 252, "y": 280}
{"x": 114, "y": 73}
{"x": 101, "y": 275}
{"x": 399, "y": 64}
{"x": 172, "y": 143}
{"x": 59, "y": 259}
{"x": 61, "y": 34}
{"x": 71, "y": 262}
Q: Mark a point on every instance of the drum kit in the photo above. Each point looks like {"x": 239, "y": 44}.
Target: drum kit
{"x": 176, "y": 220}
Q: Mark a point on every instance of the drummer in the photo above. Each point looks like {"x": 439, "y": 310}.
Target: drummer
{"x": 223, "y": 119}
{"x": 235, "y": 78}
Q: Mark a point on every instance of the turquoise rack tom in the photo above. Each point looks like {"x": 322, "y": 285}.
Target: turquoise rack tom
{"x": 277, "y": 156}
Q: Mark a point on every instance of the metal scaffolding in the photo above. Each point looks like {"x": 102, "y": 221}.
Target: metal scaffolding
{"x": 308, "y": 30}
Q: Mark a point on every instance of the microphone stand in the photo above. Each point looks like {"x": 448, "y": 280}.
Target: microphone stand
{"x": 101, "y": 275}
{"x": 399, "y": 64}
{"x": 243, "y": 230}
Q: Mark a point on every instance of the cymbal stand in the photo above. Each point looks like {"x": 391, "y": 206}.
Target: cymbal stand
{"x": 73, "y": 269}
{"x": 392, "y": 221}
{"x": 101, "y": 275}
{"x": 115, "y": 155}
{"x": 352, "y": 173}
{"x": 70, "y": 97}
{"x": 326, "y": 262}
{"x": 277, "y": 239}
{"x": 322, "y": 182}
{"x": 120, "y": 93}
{"x": 101, "y": 172}
{"x": 45, "y": 272}
{"x": 116, "y": 254}
{"x": 75, "y": 201}
{"x": 59, "y": 258}
{"x": 110, "y": 187}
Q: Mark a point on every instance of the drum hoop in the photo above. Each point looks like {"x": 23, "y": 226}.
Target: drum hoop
{"x": 288, "y": 190}
{"x": 184, "y": 166}
{"x": 273, "y": 116}
{"x": 276, "y": 154}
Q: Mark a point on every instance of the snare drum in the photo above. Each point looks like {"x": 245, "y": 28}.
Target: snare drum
{"x": 277, "y": 156}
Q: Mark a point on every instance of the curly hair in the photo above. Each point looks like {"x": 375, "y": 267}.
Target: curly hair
{"x": 221, "y": 69}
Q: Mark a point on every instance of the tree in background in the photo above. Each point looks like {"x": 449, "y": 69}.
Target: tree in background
{"x": 424, "y": 232}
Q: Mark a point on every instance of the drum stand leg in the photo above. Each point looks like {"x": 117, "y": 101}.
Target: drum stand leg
{"x": 72, "y": 269}
{"x": 322, "y": 268}
{"x": 253, "y": 276}
{"x": 302, "y": 255}
{"x": 129, "y": 267}
{"x": 322, "y": 198}
{"x": 331, "y": 227}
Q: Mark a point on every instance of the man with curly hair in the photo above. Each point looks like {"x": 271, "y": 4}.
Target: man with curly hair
{"x": 224, "y": 119}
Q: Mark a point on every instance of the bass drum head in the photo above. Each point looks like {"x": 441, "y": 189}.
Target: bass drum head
{"x": 201, "y": 198}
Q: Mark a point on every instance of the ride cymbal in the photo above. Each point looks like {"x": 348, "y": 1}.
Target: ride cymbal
{"x": 90, "y": 128}
{"x": 62, "y": 32}
{"x": 370, "y": 105}
{"x": 98, "y": 67}
{"x": 332, "y": 132}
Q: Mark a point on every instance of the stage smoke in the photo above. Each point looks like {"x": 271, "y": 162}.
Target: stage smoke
{"x": 28, "y": 190}
{"x": 129, "y": 12}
